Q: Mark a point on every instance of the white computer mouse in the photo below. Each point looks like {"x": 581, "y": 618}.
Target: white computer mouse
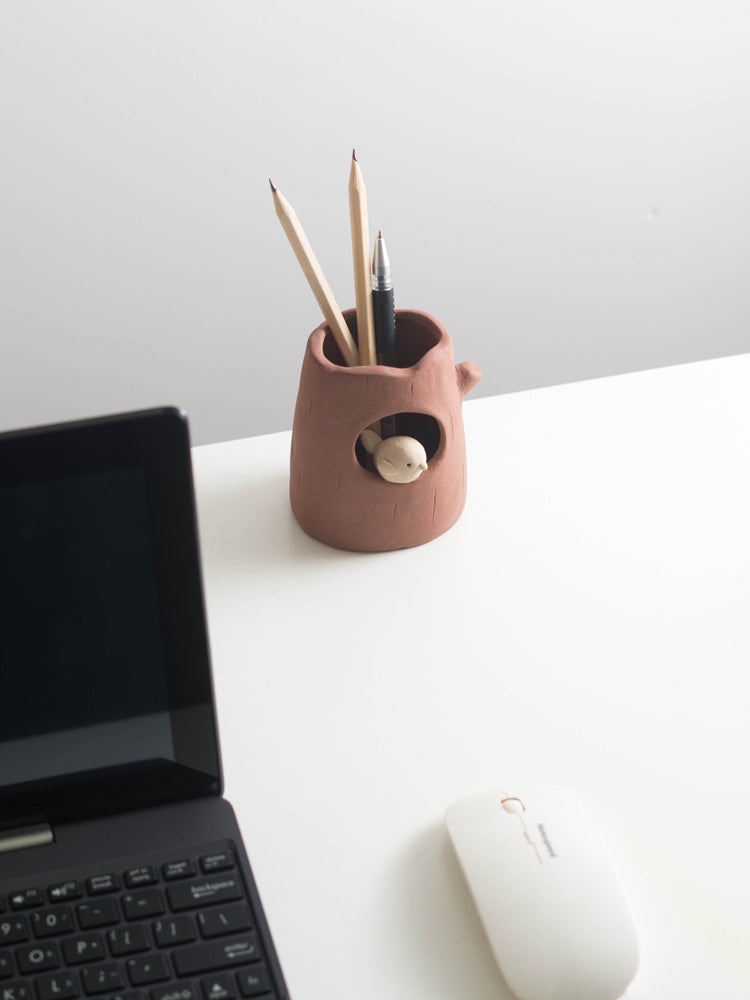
{"x": 547, "y": 893}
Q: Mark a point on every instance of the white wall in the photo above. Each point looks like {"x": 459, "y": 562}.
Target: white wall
{"x": 565, "y": 183}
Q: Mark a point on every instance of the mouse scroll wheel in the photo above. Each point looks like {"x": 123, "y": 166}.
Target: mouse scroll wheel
{"x": 513, "y": 805}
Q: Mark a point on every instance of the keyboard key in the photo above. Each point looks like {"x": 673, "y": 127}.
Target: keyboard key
{"x": 99, "y": 884}
{"x": 136, "y": 877}
{"x": 100, "y": 914}
{"x": 17, "y": 989}
{"x": 203, "y": 892}
{"x": 48, "y": 923}
{"x": 224, "y": 920}
{"x": 183, "y": 990}
{"x": 128, "y": 940}
{"x": 105, "y": 978}
{"x": 24, "y": 899}
{"x": 218, "y": 862}
{"x": 139, "y": 905}
{"x": 63, "y": 892}
{"x": 57, "y": 986}
{"x": 174, "y": 931}
{"x": 37, "y": 958}
{"x": 253, "y": 981}
{"x": 149, "y": 969}
{"x": 216, "y": 955}
{"x": 13, "y": 930}
{"x": 219, "y": 987}
{"x": 84, "y": 948}
{"x": 178, "y": 869}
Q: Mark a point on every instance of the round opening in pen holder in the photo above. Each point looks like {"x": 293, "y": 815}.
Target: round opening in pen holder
{"x": 378, "y": 457}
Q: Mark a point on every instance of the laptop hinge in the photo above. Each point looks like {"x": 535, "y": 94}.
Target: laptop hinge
{"x": 31, "y": 833}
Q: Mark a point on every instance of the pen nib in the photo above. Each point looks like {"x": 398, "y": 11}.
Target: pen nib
{"x": 381, "y": 265}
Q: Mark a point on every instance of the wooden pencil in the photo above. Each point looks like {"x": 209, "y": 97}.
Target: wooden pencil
{"x": 362, "y": 269}
{"x": 315, "y": 277}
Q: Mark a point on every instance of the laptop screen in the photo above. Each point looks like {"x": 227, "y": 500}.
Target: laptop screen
{"x": 106, "y": 692}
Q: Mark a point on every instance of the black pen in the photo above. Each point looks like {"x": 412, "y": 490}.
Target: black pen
{"x": 384, "y": 312}
{"x": 384, "y": 319}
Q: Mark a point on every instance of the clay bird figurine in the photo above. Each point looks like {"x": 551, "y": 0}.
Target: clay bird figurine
{"x": 398, "y": 459}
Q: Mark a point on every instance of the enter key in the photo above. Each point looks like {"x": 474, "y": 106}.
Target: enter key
{"x": 233, "y": 950}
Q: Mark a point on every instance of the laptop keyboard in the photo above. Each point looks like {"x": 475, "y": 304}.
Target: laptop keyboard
{"x": 177, "y": 928}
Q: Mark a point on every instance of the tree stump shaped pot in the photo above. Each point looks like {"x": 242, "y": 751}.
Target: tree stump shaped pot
{"x": 336, "y": 495}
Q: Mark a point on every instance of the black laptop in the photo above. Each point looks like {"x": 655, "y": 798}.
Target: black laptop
{"x": 122, "y": 869}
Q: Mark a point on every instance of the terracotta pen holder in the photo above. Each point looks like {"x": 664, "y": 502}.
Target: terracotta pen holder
{"x": 336, "y": 495}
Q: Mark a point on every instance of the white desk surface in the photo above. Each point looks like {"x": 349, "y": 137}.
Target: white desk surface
{"x": 584, "y": 623}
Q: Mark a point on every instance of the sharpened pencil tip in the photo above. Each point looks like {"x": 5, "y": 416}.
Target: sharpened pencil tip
{"x": 354, "y": 154}
{"x": 272, "y": 185}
